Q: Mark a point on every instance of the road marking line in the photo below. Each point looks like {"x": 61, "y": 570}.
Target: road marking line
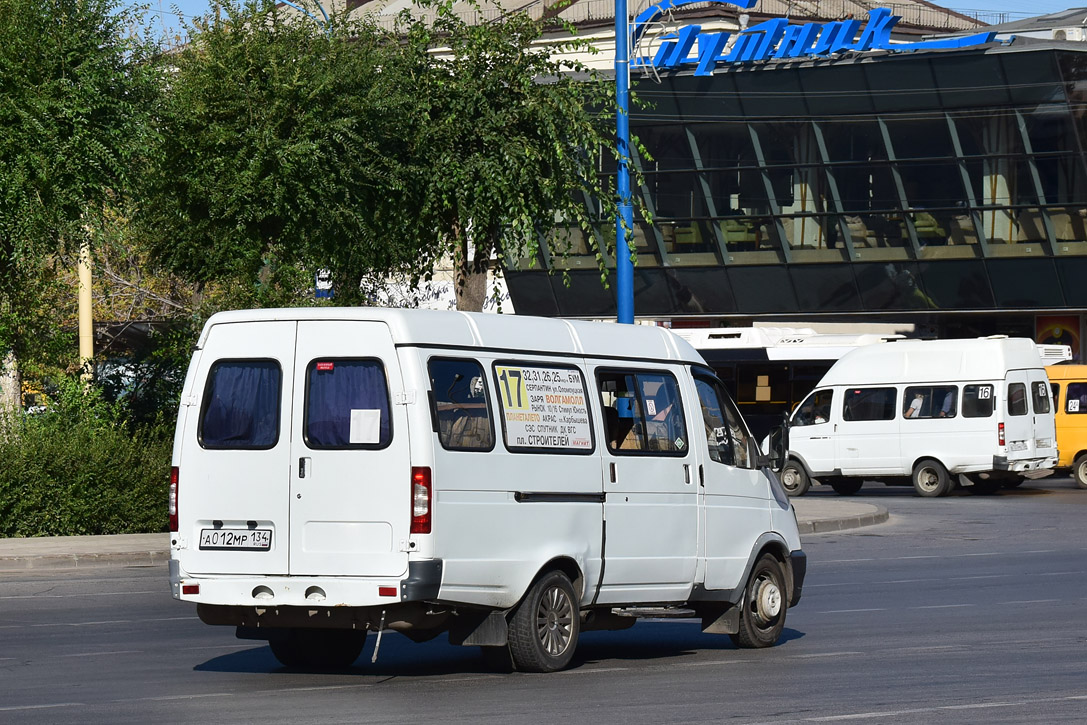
{"x": 97, "y": 654}
{"x": 942, "y": 708}
{"x": 1059, "y": 573}
{"x": 42, "y": 707}
{"x": 823, "y": 654}
{"x": 73, "y": 596}
{"x": 943, "y": 606}
{"x": 1032, "y": 601}
{"x": 851, "y": 611}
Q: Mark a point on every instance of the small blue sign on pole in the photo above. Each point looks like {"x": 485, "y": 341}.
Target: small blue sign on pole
{"x": 322, "y": 284}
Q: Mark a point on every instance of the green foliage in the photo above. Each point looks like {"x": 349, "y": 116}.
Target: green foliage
{"x": 282, "y": 150}
{"x": 512, "y": 138}
{"x": 79, "y": 468}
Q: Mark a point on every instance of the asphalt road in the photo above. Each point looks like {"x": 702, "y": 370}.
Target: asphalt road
{"x": 964, "y": 609}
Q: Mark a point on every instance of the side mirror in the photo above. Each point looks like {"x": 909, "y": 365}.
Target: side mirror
{"x": 778, "y": 449}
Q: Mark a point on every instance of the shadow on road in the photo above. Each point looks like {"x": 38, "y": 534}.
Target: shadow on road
{"x": 399, "y": 657}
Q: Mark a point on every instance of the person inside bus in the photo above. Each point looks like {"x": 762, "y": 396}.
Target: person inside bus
{"x": 947, "y": 409}
{"x": 914, "y": 411}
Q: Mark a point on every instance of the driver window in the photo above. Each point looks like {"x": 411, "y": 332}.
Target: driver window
{"x": 727, "y": 436}
{"x": 814, "y": 410}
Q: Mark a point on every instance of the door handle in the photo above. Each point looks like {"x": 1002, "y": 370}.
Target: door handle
{"x": 302, "y": 467}
{"x": 611, "y": 468}
{"x": 687, "y": 473}
{"x": 701, "y": 476}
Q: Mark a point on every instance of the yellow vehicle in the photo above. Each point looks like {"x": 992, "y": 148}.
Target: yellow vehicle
{"x": 1069, "y": 384}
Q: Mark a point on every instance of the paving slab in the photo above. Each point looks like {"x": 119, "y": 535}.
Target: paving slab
{"x": 814, "y": 516}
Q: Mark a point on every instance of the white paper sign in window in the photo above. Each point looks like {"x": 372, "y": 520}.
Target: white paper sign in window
{"x": 544, "y": 407}
{"x": 365, "y": 426}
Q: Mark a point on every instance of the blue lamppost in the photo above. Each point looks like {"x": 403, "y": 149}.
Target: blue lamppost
{"x": 624, "y": 221}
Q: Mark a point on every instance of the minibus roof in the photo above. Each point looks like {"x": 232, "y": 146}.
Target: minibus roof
{"x": 919, "y": 361}
{"x": 524, "y": 334}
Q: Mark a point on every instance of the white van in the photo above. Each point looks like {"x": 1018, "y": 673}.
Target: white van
{"x": 936, "y": 413}
{"x": 510, "y": 481}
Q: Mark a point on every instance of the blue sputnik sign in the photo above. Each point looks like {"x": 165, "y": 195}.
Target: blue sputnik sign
{"x": 776, "y": 38}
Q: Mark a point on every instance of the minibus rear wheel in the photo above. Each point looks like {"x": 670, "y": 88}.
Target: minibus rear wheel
{"x": 544, "y": 628}
{"x": 794, "y": 479}
{"x": 762, "y": 610}
{"x": 1079, "y": 470}
{"x": 844, "y": 486}
{"x": 931, "y": 479}
{"x": 332, "y": 649}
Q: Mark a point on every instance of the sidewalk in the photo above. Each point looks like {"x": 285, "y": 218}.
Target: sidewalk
{"x": 814, "y": 515}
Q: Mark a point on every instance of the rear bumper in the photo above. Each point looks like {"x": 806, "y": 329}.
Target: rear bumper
{"x": 421, "y": 582}
{"x": 1001, "y": 463}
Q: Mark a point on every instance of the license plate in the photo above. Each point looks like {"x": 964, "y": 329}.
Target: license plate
{"x": 1017, "y": 446}
{"x": 236, "y": 539}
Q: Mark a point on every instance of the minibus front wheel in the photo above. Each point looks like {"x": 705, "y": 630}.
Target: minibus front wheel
{"x": 794, "y": 479}
{"x": 762, "y": 610}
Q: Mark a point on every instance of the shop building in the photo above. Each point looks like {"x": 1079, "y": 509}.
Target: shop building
{"x": 940, "y": 188}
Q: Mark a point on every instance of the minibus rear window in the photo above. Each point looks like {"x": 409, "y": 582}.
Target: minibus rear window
{"x": 347, "y": 404}
{"x": 977, "y": 401}
{"x": 1039, "y": 393}
{"x": 1017, "y": 399}
{"x": 1075, "y": 398}
{"x": 240, "y": 408}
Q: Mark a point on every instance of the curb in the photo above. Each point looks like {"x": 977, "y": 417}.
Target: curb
{"x": 15, "y": 564}
{"x": 822, "y": 526}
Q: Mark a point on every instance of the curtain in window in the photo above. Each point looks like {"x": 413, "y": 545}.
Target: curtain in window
{"x": 243, "y": 406}
{"x": 346, "y": 394}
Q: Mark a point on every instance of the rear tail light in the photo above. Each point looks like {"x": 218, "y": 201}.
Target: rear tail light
{"x": 172, "y": 505}
{"x": 1000, "y": 433}
{"x": 420, "y": 500}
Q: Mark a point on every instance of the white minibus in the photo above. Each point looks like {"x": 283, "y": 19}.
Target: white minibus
{"x": 934, "y": 413}
{"x": 508, "y": 481}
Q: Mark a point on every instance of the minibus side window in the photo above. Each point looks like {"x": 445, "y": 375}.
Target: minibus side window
{"x": 1039, "y": 393}
{"x": 1075, "y": 398}
{"x": 869, "y": 404}
{"x": 347, "y": 404}
{"x": 643, "y": 413}
{"x": 240, "y": 409}
{"x": 1017, "y": 399}
{"x": 977, "y": 401}
{"x": 930, "y": 401}
{"x": 461, "y": 411}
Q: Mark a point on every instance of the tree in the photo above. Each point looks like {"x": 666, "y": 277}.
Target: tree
{"x": 283, "y": 151}
{"x": 74, "y": 89}
{"x": 511, "y": 135}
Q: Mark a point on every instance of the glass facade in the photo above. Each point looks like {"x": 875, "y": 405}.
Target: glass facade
{"x": 938, "y": 181}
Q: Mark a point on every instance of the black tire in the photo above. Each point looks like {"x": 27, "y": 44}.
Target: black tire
{"x": 930, "y": 479}
{"x": 321, "y": 649}
{"x": 794, "y": 479}
{"x": 845, "y": 486}
{"x": 985, "y": 486}
{"x": 544, "y": 627}
{"x": 762, "y": 609}
{"x": 1079, "y": 470}
{"x": 1014, "y": 481}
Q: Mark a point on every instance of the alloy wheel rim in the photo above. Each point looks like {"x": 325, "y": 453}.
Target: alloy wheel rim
{"x": 554, "y": 621}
